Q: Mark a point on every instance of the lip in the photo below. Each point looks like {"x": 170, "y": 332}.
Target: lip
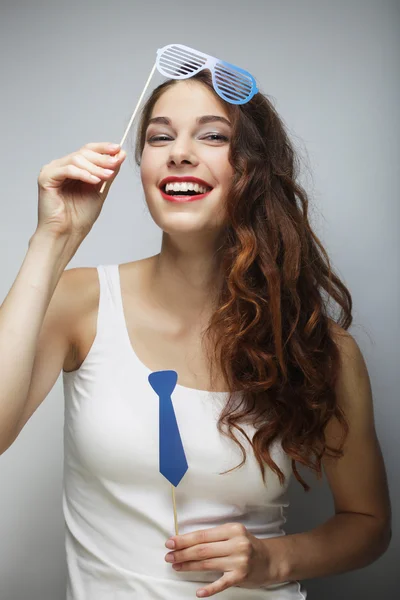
{"x": 183, "y": 198}
{"x": 175, "y": 178}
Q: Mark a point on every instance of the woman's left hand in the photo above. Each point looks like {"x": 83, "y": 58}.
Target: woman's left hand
{"x": 246, "y": 561}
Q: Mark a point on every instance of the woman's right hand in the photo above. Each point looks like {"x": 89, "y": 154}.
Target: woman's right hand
{"x": 69, "y": 197}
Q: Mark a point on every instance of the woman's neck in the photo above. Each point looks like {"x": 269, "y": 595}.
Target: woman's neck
{"x": 185, "y": 283}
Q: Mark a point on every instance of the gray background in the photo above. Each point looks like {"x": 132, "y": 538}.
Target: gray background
{"x": 72, "y": 73}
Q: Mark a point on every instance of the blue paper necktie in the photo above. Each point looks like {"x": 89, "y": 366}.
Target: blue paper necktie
{"x": 173, "y": 463}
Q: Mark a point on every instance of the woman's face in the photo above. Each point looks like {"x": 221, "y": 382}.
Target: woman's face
{"x": 186, "y": 148}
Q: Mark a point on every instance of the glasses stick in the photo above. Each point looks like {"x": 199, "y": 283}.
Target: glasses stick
{"x": 131, "y": 121}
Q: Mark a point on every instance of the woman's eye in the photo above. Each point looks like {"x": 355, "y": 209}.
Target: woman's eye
{"x": 217, "y": 135}
{"x": 156, "y": 138}
{"x": 161, "y": 138}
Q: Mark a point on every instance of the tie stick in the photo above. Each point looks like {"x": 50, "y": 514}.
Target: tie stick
{"x": 174, "y": 505}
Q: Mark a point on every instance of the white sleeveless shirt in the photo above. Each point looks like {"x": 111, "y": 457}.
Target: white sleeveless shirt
{"x": 117, "y": 505}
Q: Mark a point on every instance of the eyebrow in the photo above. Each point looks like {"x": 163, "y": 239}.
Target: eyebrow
{"x": 200, "y": 120}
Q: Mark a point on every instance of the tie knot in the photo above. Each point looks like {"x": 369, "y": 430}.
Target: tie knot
{"x": 163, "y": 382}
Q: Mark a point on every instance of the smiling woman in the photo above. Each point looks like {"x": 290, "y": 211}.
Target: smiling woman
{"x": 237, "y": 303}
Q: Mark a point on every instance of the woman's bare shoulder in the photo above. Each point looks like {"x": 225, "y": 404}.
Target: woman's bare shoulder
{"x": 81, "y": 298}
{"x": 82, "y": 286}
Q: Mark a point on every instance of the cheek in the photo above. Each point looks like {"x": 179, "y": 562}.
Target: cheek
{"x": 149, "y": 166}
{"x": 222, "y": 168}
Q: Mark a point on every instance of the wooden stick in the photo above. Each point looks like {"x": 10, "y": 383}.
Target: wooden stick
{"x": 131, "y": 121}
{"x": 174, "y": 503}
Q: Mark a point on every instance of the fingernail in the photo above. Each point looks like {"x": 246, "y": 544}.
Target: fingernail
{"x": 201, "y": 593}
{"x": 170, "y": 544}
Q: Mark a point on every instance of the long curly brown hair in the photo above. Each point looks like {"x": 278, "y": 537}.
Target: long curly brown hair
{"x": 272, "y": 334}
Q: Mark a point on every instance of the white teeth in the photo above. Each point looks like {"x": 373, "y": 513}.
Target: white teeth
{"x": 186, "y": 186}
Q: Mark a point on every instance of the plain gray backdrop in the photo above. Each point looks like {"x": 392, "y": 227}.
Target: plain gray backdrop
{"x": 72, "y": 72}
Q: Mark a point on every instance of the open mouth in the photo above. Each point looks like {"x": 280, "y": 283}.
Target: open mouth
{"x": 185, "y": 195}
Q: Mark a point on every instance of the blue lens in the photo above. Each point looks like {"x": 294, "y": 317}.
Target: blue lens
{"x": 233, "y": 84}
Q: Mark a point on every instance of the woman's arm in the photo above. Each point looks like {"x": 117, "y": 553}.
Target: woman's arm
{"x": 345, "y": 542}
{"x": 360, "y": 531}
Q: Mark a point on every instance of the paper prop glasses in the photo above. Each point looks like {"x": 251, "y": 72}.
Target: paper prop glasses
{"x": 233, "y": 84}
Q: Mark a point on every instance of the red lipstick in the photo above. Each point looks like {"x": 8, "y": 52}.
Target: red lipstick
{"x": 183, "y": 198}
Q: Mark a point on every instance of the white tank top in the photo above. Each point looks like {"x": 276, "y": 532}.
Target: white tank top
{"x": 117, "y": 505}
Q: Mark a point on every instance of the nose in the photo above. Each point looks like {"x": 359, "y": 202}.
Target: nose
{"x": 180, "y": 152}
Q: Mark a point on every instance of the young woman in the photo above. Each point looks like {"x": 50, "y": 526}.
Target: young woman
{"x": 237, "y": 303}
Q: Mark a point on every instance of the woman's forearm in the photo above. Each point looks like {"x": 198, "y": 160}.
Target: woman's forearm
{"x": 345, "y": 542}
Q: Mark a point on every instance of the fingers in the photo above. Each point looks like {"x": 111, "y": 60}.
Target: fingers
{"x": 103, "y": 160}
{"x": 59, "y": 174}
{"x": 212, "y": 564}
{"x": 223, "y": 583}
{"x": 102, "y": 147}
{"x": 214, "y": 534}
{"x": 93, "y": 163}
{"x": 202, "y": 552}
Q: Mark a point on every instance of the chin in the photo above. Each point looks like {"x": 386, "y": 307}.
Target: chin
{"x": 176, "y": 225}
{"x": 185, "y": 217}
